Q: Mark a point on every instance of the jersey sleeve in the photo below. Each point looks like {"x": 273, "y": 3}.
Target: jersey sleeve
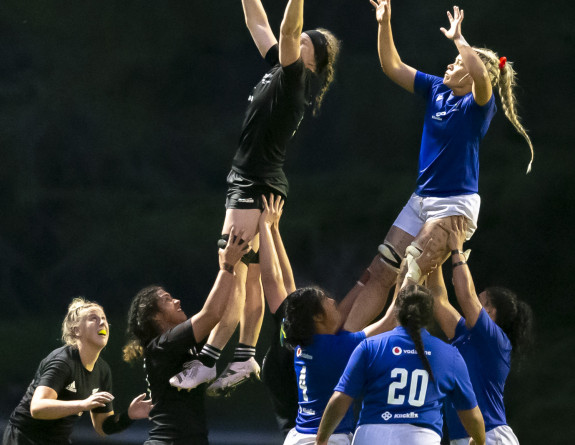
{"x": 181, "y": 336}
{"x": 424, "y": 83}
{"x": 462, "y": 395}
{"x": 352, "y": 381}
{"x": 490, "y": 336}
{"x": 57, "y": 374}
{"x": 273, "y": 55}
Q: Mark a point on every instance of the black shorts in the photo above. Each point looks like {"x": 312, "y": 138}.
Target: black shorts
{"x": 13, "y": 436}
{"x": 246, "y": 193}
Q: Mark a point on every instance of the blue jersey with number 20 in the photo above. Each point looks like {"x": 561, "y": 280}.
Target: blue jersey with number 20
{"x": 387, "y": 371}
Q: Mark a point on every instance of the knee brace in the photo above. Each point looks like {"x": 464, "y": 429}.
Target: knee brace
{"x": 385, "y": 266}
{"x": 223, "y": 241}
{"x": 390, "y": 256}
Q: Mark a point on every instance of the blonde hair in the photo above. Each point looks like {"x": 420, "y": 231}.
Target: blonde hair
{"x": 328, "y": 73}
{"x": 504, "y": 80}
{"x": 74, "y": 317}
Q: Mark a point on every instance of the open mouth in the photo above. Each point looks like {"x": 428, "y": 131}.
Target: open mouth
{"x": 102, "y": 332}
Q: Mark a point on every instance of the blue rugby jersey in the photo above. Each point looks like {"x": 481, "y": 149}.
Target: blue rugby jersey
{"x": 318, "y": 368}
{"x": 452, "y": 130}
{"x": 387, "y": 371}
{"x": 487, "y": 353}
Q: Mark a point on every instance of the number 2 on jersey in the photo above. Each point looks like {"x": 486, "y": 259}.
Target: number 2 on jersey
{"x": 417, "y": 387}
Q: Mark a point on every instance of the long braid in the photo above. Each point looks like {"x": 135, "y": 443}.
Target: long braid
{"x": 504, "y": 80}
{"x": 414, "y": 311}
{"x": 328, "y": 73}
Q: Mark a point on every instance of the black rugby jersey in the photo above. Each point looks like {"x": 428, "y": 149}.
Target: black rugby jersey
{"x": 276, "y": 107}
{"x": 61, "y": 370}
{"x": 177, "y": 416}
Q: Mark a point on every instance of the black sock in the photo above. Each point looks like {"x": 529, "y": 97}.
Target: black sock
{"x": 209, "y": 355}
{"x": 243, "y": 352}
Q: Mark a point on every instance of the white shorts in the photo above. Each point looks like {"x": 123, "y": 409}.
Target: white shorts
{"x": 502, "y": 435}
{"x": 395, "y": 434}
{"x": 420, "y": 209}
{"x": 296, "y": 438}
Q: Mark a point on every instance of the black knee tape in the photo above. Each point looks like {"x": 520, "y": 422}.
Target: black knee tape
{"x": 223, "y": 241}
{"x": 252, "y": 257}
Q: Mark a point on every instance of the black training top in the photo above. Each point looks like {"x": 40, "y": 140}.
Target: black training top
{"x": 276, "y": 108}
{"x": 61, "y": 370}
{"x": 177, "y": 416}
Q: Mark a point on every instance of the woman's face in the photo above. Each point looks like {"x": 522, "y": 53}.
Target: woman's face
{"x": 170, "y": 310}
{"x": 456, "y": 76}
{"x": 332, "y": 317}
{"x": 93, "y": 327}
{"x": 307, "y": 52}
{"x": 486, "y": 303}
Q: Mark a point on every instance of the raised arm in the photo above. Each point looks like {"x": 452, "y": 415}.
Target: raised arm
{"x": 258, "y": 25}
{"x": 393, "y": 67}
{"x": 462, "y": 280}
{"x": 445, "y": 314}
{"x": 205, "y": 320}
{"x": 290, "y": 32}
{"x": 277, "y": 276}
{"x": 481, "y": 88}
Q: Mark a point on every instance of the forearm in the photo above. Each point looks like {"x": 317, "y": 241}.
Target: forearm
{"x": 390, "y": 61}
{"x": 50, "y": 409}
{"x": 472, "y": 421}
{"x": 465, "y": 289}
{"x": 471, "y": 60}
{"x": 217, "y": 300}
{"x": 254, "y": 14}
{"x": 285, "y": 265}
{"x": 334, "y": 412}
{"x": 292, "y": 23}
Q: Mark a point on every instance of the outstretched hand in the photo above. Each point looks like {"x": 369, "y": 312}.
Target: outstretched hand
{"x": 273, "y": 210}
{"x": 454, "y": 32}
{"x": 140, "y": 408}
{"x": 458, "y": 232}
{"x": 236, "y": 248}
{"x": 382, "y": 10}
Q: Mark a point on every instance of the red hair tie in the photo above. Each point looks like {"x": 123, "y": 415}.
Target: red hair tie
{"x": 502, "y": 62}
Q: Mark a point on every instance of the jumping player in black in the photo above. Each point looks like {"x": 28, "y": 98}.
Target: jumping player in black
{"x": 302, "y": 70}
{"x": 70, "y": 380}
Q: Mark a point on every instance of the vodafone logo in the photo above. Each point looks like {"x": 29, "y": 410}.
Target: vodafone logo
{"x": 298, "y": 352}
{"x": 396, "y": 350}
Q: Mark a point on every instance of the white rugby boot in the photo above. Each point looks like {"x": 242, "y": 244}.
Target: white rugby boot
{"x": 235, "y": 374}
{"x": 194, "y": 374}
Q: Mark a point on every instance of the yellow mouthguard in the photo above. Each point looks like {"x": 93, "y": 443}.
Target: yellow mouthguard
{"x": 102, "y": 332}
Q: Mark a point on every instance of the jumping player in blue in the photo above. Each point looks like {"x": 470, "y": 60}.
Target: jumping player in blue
{"x": 460, "y": 107}
{"x": 404, "y": 377}
{"x": 495, "y": 323}
{"x": 313, "y": 328}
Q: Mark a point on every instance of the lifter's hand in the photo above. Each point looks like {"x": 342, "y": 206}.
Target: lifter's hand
{"x": 273, "y": 210}
{"x": 382, "y": 10}
{"x": 140, "y": 408}
{"x": 458, "y": 232}
{"x": 235, "y": 249}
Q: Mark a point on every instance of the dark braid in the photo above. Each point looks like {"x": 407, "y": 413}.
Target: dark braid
{"x": 141, "y": 324}
{"x": 414, "y": 311}
{"x": 301, "y": 306}
{"x": 514, "y": 317}
{"x": 327, "y": 75}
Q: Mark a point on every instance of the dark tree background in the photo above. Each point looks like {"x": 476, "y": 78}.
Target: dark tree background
{"x": 117, "y": 128}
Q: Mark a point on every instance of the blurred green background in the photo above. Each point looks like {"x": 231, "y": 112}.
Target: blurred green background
{"x": 118, "y": 122}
